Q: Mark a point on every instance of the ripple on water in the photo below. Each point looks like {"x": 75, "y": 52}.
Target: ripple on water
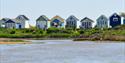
{"x": 63, "y": 51}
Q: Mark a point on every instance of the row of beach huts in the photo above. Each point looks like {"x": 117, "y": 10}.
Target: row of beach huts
{"x": 42, "y": 22}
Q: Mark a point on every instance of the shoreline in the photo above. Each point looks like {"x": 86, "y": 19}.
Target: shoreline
{"x": 13, "y": 41}
{"x": 25, "y": 40}
{"x": 74, "y": 39}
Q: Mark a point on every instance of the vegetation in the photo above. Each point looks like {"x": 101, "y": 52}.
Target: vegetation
{"x": 12, "y": 40}
{"x": 116, "y": 34}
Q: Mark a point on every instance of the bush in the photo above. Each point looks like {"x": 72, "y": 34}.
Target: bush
{"x": 27, "y": 30}
{"x": 81, "y": 32}
{"x": 52, "y": 30}
{"x": 12, "y": 32}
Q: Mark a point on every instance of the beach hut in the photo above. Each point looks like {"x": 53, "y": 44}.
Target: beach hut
{"x": 42, "y": 22}
{"x": 2, "y": 22}
{"x": 10, "y": 24}
{"x": 115, "y": 20}
{"x": 57, "y": 22}
{"x": 22, "y": 22}
{"x": 71, "y": 22}
{"x": 86, "y": 23}
{"x": 102, "y": 22}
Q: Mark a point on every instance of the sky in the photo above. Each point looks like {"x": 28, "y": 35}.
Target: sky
{"x": 64, "y": 8}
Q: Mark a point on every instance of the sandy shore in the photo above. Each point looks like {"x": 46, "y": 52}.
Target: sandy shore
{"x": 13, "y": 41}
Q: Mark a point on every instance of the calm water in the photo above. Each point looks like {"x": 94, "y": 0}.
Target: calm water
{"x": 63, "y": 51}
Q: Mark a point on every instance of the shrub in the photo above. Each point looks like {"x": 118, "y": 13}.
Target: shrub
{"x": 81, "y": 32}
{"x": 52, "y": 30}
{"x": 12, "y": 32}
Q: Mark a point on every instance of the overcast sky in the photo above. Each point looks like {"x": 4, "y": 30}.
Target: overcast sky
{"x": 64, "y": 8}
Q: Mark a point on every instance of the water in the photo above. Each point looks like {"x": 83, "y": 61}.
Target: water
{"x": 63, "y": 51}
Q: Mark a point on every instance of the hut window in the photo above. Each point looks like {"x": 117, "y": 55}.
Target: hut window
{"x": 67, "y": 23}
{"x": 115, "y": 19}
{"x": 83, "y": 24}
{"x": 89, "y": 24}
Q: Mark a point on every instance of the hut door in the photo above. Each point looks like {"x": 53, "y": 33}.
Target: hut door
{"x": 19, "y": 25}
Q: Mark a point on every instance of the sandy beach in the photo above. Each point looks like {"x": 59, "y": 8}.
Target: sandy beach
{"x": 13, "y": 41}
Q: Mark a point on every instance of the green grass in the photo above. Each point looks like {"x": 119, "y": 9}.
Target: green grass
{"x": 117, "y": 33}
{"x": 13, "y": 40}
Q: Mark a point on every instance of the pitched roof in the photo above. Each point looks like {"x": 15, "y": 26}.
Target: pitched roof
{"x": 102, "y": 17}
{"x": 57, "y": 17}
{"x": 86, "y": 19}
{"x": 10, "y": 21}
{"x": 72, "y": 17}
{"x": 115, "y": 14}
{"x": 5, "y": 19}
{"x": 42, "y": 18}
{"x": 22, "y": 17}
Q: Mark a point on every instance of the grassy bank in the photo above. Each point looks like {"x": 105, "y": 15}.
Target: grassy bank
{"x": 114, "y": 34}
{"x": 8, "y": 40}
